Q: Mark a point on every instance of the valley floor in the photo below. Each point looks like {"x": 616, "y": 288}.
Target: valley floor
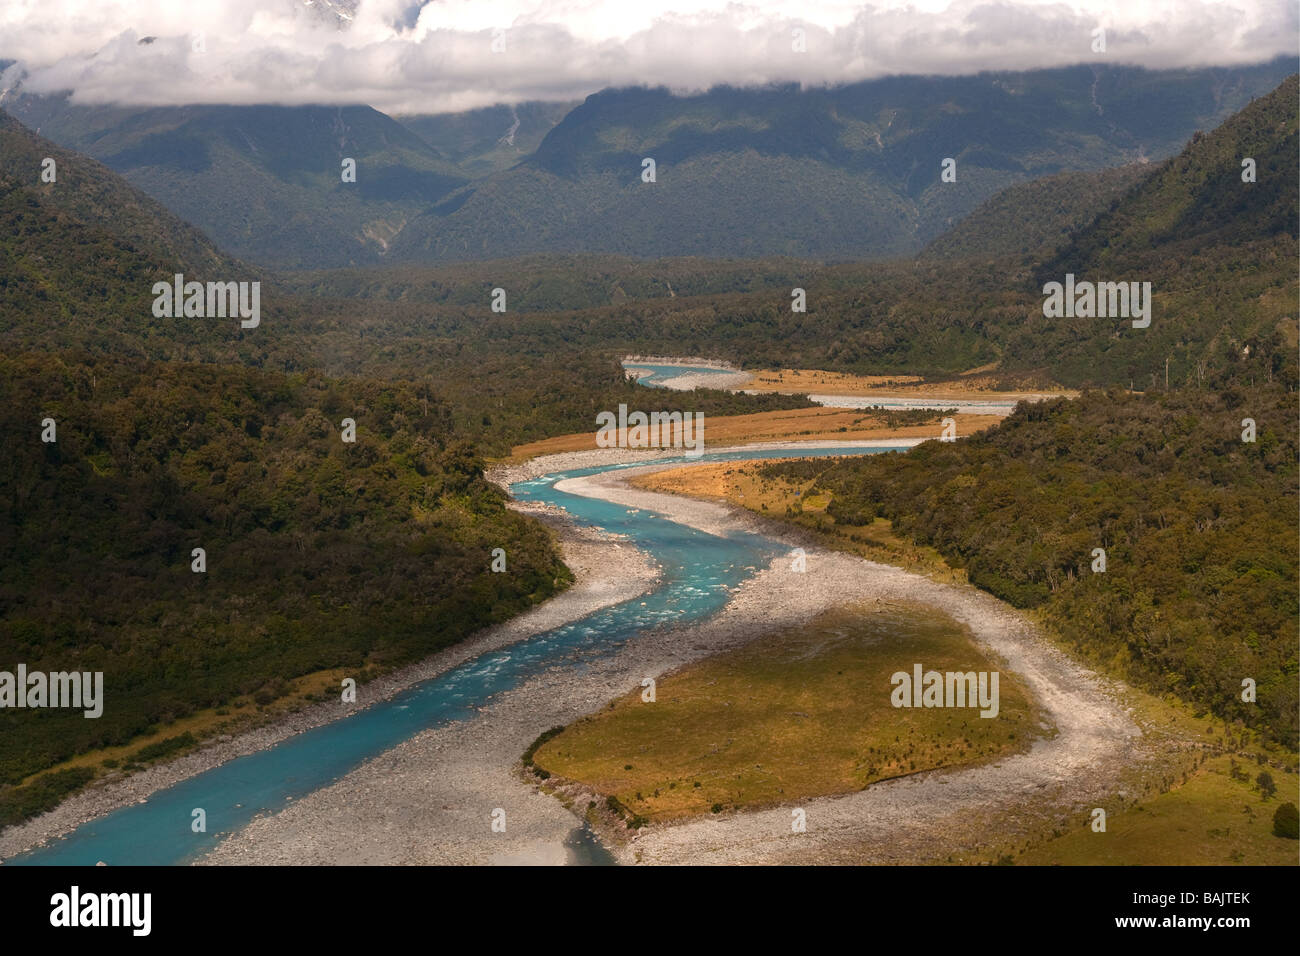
{"x": 430, "y": 800}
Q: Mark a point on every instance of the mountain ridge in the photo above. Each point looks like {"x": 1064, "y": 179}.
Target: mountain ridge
{"x": 847, "y": 172}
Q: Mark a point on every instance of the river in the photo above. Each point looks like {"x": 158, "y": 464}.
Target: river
{"x": 699, "y": 572}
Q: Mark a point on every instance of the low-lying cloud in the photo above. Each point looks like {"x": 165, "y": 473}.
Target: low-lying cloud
{"x": 405, "y": 56}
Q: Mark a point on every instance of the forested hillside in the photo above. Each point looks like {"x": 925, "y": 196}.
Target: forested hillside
{"x": 319, "y": 553}
{"x": 70, "y": 283}
{"x": 556, "y": 283}
{"x": 1220, "y": 253}
{"x": 1200, "y": 198}
{"x": 1198, "y": 529}
{"x": 1030, "y": 220}
{"x": 264, "y": 181}
{"x": 95, "y": 196}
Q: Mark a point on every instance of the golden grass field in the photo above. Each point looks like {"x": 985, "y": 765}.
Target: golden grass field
{"x": 977, "y": 384}
{"x": 798, "y": 714}
{"x": 742, "y": 484}
{"x": 1211, "y": 820}
{"x": 799, "y": 424}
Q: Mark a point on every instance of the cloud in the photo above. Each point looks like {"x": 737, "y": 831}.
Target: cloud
{"x": 404, "y": 56}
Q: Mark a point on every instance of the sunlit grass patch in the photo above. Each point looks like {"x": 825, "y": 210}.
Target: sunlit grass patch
{"x": 798, "y": 714}
{"x": 1213, "y": 819}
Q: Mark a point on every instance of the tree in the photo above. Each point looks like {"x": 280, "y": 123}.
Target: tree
{"x": 1266, "y": 785}
{"x": 1286, "y": 821}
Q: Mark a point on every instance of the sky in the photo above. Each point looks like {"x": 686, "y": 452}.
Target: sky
{"x": 404, "y": 56}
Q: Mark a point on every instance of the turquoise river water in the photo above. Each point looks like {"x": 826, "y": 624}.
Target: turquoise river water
{"x": 698, "y": 571}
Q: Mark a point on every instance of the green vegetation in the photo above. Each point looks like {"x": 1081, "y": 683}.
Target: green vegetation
{"x": 531, "y": 752}
{"x": 1286, "y": 822}
{"x": 847, "y": 172}
{"x": 1221, "y": 268}
{"x": 164, "y": 748}
{"x": 1026, "y": 221}
{"x": 92, "y": 193}
{"x": 320, "y": 554}
{"x": 1214, "y": 819}
{"x": 264, "y": 181}
{"x": 19, "y": 803}
{"x": 476, "y": 140}
{"x": 555, "y": 283}
{"x": 1198, "y": 529}
{"x": 177, "y": 433}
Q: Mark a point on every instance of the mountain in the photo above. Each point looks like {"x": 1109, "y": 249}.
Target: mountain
{"x": 1028, "y": 219}
{"x": 1199, "y": 199}
{"x": 1220, "y": 255}
{"x": 848, "y": 172}
{"x": 832, "y": 174}
{"x": 484, "y": 141}
{"x": 265, "y": 181}
{"x": 92, "y": 194}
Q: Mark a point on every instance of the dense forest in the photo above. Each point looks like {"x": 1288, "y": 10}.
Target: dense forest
{"x": 1023, "y": 221}
{"x": 1221, "y": 265}
{"x": 319, "y": 553}
{"x": 90, "y": 192}
{"x": 1197, "y": 525}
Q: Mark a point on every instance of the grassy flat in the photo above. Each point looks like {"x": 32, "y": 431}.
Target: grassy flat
{"x": 1211, "y": 820}
{"x": 744, "y": 484}
{"x": 797, "y": 714}
{"x": 795, "y": 424}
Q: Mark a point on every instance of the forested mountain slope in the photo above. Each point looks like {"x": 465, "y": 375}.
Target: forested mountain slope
{"x": 1197, "y": 526}
{"x": 845, "y": 173}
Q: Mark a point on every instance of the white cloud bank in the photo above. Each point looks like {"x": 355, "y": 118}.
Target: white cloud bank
{"x": 405, "y": 56}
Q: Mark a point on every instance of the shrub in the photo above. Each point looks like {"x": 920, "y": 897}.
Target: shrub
{"x": 163, "y": 748}
{"x": 1266, "y": 785}
{"x": 44, "y": 793}
{"x": 544, "y": 736}
{"x": 1286, "y": 821}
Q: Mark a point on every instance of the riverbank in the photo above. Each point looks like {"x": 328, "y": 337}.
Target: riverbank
{"x": 607, "y": 571}
{"x": 431, "y": 799}
{"x": 712, "y": 373}
{"x": 927, "y": 817}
